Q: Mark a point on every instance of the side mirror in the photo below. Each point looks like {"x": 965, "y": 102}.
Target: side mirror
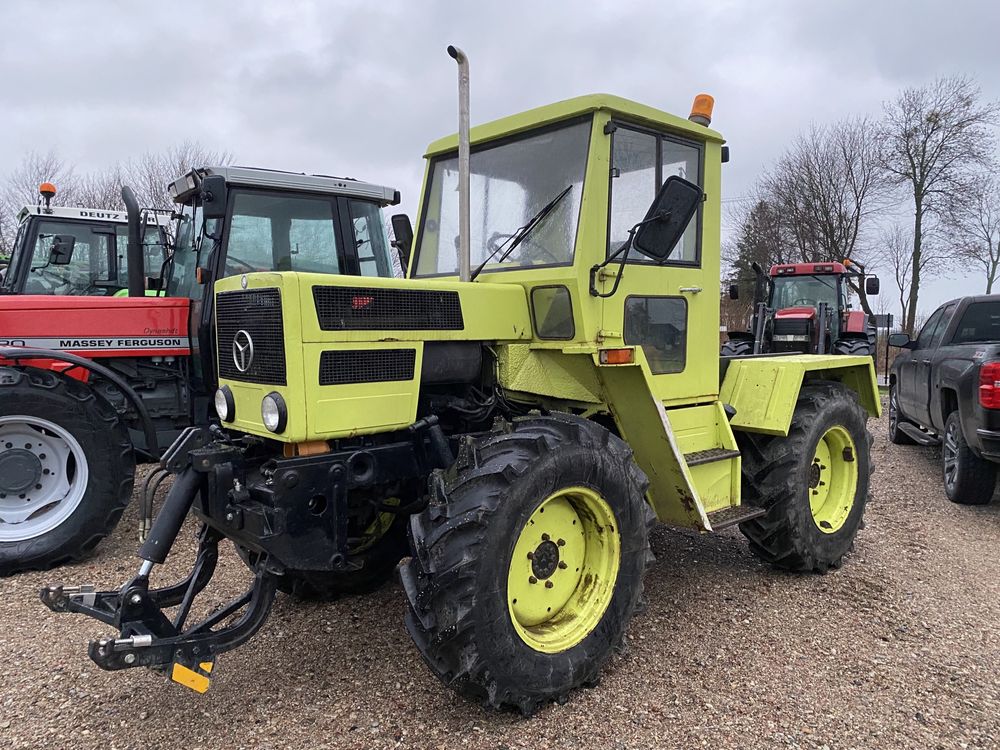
{"x": 668, "y": 217}
{"x": 871, "y": 285}
{"x": 900, "y": 340}
{"x": 734, "y": 291}
{"x": 402, "y": 232}
{"x": 61, "y": 251}
{"x": 213, "y": 196}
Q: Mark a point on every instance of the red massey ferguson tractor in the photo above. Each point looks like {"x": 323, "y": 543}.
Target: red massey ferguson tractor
{"x": 804, "y": 307}
{"x": 87, "y": 383}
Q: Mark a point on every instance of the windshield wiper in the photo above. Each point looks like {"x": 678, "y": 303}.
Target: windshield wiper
{"x": 518, "y": 237}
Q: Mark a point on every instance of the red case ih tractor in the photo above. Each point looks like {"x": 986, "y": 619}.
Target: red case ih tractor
{"x": 804, "y": 308}
{"x": 86, "y": 383}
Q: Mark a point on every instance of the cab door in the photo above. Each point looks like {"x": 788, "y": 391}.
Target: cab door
{"x": 670, "y": 309}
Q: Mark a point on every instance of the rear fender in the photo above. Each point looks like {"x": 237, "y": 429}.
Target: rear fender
{"x": 763, "y": 390}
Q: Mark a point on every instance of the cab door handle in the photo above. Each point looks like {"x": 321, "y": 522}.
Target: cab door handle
{"x": 689, "y": 289}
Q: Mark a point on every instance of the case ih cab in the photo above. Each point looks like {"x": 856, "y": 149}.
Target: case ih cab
{"x": 542, "y": 388}
{"x": 63, "y": 250}
{"x": 804, "y": 307}
{"x": 86, "y": 381}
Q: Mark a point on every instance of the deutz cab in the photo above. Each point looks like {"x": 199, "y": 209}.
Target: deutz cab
{"x": 68, "y": 250}
{"x": 525, "y": 412}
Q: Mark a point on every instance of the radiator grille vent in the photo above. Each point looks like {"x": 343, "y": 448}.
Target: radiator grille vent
{"x": 367, "y": 309}
{"x": 254, "y": 315}
{"x": 368, "y": 366}
{"x": 791, "y": 326}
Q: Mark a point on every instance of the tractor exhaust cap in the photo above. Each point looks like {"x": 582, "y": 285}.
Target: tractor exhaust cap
{"x": 464, "y": 253}
{"x": 701, "y": 110}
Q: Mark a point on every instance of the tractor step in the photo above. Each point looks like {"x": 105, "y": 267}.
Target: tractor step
{"x": 921, "y": 437}
{"x": 710, "y": 456}
{"x": 723, "y": 519}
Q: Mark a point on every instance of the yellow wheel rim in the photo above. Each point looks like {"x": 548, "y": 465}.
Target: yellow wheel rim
{"x": 833, "y": 480}
{"x": 563, "y": 571}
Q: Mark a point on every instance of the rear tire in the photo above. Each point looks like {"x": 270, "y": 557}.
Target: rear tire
{"x": 813, "y": 483}
{"x": 968, "y": 479}
{"x": 737, "y": 348}
{"x": 470, "y": 561}
{"x": 856, "y": 347}
{"x": 68, "y": 446}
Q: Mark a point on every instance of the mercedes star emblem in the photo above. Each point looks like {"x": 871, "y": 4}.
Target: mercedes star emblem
{"x": 242, "y": 350}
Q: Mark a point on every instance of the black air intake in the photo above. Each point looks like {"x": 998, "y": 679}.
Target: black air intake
{"x": 370, "y": 309}
{"x": 254, "y": 315}
{"x": 792, "y": 326}
{"x": 366, "y": 366}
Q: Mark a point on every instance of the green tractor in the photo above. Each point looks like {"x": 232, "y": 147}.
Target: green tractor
{"x": 510, "y": 420}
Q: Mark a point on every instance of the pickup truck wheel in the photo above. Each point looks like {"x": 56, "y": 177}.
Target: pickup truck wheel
{"x": 813, "y": 483}
{"x": 737, "y": 348}
{"x": 968, "y": 479}
{"x": 896, "y": 435}
{"x": 66, "y": 469}
{"x": 527, "y": 565}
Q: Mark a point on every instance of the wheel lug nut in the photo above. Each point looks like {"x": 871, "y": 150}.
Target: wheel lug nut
{"x": 545, "y": 537}
{"x": 548, "y": 584}
{"x": 561, "y": 542}
{"x": 562, "y": 565}
{"x": 532, "y": 579}
{"x": 531, "y": 555}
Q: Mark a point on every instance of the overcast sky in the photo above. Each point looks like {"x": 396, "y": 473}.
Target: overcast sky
{"x": 360, "y": 88}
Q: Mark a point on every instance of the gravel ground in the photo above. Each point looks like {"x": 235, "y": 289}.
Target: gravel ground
{"x": 899, "y": 649}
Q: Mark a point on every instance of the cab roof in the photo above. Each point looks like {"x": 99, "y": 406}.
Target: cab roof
{"x": 90, "y": 214}
{"x": 576, "y": 107}
{"x": 274, "y": 179}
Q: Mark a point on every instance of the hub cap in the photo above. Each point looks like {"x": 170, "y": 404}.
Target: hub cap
{"x": 563, "y": 570}
{"x": 43, "y": 477}
{"x": 833, "y": 480}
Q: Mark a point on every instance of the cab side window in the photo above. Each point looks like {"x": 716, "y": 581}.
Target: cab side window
{"x": 371, "y": 240}
{"x": 933, "y": 330}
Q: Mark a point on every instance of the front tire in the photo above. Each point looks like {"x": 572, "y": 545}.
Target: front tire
{"x": 896, "y": 435}
{"x": 968, "y": 479}
{"x": 528, "y": 563}
{"x": 856, "y": 347}
{"x": 813, "y": 483}
{"x": 66, "y": 469}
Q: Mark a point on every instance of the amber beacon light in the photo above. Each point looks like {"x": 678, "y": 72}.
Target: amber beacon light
{"x": 701, "y": 110}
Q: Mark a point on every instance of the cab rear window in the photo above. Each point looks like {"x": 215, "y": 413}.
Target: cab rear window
{"x": 980, "y": 323}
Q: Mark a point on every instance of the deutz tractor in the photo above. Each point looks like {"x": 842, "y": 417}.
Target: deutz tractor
{"x": 64, "y": 250}
{"x": 805, "y": 308}
{"x": 512, "y": 417}
{"x": 87, "y": 382}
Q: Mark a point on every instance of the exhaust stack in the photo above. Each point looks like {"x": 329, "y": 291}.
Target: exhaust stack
{"x": 136, "y": 261}
{"x": 464, "y": 252}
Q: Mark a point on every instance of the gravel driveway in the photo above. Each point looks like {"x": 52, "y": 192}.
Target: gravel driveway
{"x": 899, "y": 649}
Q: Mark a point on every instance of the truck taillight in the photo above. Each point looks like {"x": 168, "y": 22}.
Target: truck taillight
{"x": 989, "y": 385}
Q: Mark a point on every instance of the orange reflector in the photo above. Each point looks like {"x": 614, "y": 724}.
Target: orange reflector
{"x": 701, "y": 110}
{"x": 47, "y": 189}
{"x": 617, "y": 356}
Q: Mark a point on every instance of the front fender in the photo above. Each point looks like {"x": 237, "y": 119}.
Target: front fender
{"x": 764, "y": 390}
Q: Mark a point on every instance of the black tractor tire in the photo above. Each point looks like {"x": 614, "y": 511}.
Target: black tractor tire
{"x": 45, "y": 397}
{"x": 378, "y": 565}
{"x": 858, "y": 347}
{"x": 968, "y": 478}
{"x": 456, "y": 583}
{"x": 737, "y": 348}
{"x": 896, "y": 435}
{"x": 776, "y": 476}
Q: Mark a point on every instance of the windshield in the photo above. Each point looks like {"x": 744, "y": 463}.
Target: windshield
{"x": 510, "y": 183}
{"x": 804, "y": 291}
{"x": 88, "y": 270}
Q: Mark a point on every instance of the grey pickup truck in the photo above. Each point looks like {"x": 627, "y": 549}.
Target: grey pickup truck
{"x": 944, "y": 388}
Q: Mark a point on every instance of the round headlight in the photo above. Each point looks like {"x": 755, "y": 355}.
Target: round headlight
{"x": 273, "y": 412}
{"x": 225, "y": 407}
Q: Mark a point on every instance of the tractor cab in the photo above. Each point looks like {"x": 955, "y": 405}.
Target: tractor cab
{"x": 64, "y": 250}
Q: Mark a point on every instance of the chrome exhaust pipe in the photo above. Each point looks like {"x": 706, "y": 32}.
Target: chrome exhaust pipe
{"x": 464, "y": 252}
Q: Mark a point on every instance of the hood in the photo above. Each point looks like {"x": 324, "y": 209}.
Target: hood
{"x": 805, "y": 313}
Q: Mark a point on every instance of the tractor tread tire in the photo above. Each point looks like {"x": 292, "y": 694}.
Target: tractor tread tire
{"x": 737, "y": 348}
{"x": 977, "y": 478}
{"x": 459, "y": 538}
{"x": 857, "y": 347}
{"x": 774, "y": 477}
{"x": 98, "y": 428}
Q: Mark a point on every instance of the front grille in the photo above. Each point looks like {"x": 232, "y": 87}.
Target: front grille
{"x": 253, "y": 313}
{"x": 369, "y": 366}
{"x": 791, "y": 326}
{"x": 368, "y": 309}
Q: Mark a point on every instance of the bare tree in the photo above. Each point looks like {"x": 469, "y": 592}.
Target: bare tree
{"x": 20, "y": 188}
{"x": 897, "y": 254}
{"x": 825, "y": 188}
{"x": 932, "y": 136}
{"x": 974, "y": 217}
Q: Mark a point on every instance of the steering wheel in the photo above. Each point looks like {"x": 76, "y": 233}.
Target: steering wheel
{"x": 246, "y": 266}
{"x": 496, "y": 239}
{"x": 804, "y": 302}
